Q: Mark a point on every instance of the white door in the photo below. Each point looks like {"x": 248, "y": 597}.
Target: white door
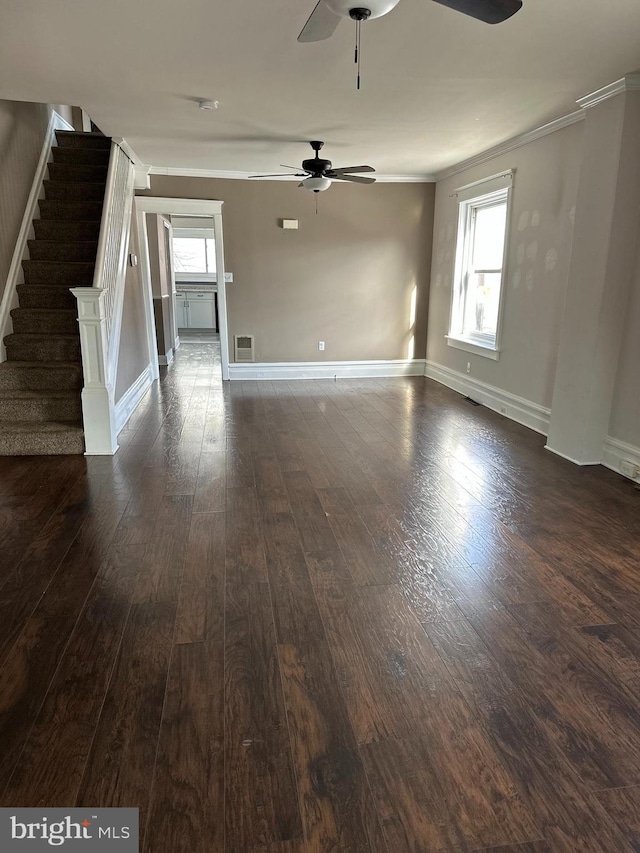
{"x": 201, "y": 313}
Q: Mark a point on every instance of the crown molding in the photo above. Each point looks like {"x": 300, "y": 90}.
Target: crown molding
{"x": 183, "y": 172}
{"x": 628, "y": 83}
{"x": 513, "y": 143}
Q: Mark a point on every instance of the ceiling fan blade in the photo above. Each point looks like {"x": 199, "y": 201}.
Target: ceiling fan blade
{"x": 286, "y": 166}
{"x": 349, "y": 169}
{"x": 321, "y": 25}
{"x": 288, "y": 175}
{"x": 354, "y": 179}
{"x": 489, "y": 11}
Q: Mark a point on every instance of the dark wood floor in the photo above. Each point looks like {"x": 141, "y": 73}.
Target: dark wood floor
{"x": 319, "y": 617}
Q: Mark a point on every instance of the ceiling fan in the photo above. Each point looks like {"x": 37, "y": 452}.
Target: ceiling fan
{"x": 326, "y": 16}
{"x": 319, "y": 173}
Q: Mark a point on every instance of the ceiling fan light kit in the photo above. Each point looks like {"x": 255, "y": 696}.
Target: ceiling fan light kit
{"x": 373, "y": 8}
{"x": 316, "y": 185}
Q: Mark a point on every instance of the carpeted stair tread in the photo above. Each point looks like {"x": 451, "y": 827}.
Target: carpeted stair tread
{"x": 74, "y": 190}
{"x": 76, "y": 139}
{"x": 90, "y": 211}
{"x": 45, "y": 321}
{"x": 57, "y": 250}
{"x": 40, "y": 376}
{"x": 51, "y": 296}
{"x": 66, "y": 231}
{"x": 39, "y": 406}
{"x": 26, "y": 438}
{"x": 40, "y": 347}
{"x": 72, "y": 273}
{"x": 81, "y": 156}
{"x": 78, "y": 172}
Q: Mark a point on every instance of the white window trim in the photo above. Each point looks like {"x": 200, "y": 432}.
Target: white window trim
{"x": 483, "y": 189}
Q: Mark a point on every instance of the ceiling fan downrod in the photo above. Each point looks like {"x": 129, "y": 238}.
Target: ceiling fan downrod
{"x": 358, "y": 15}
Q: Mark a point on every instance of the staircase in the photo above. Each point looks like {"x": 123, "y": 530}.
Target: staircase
{"x": 41, "y": 381}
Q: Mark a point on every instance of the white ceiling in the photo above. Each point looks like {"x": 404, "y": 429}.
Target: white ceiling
{"x": 438, "y": 87}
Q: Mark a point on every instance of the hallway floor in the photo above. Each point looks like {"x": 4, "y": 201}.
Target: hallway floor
{"x": 320, "y": 617}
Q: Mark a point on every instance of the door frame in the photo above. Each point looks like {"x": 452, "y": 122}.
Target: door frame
{"x": 193, "y": 207}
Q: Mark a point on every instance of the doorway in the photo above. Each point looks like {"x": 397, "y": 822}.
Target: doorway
{"x": 173, "y": 209}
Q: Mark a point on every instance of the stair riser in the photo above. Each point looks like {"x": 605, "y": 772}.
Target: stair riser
{"x": 66, "y": 232}
{"x": 88, "y": 211}
{"x": 46, "y": 323}
{"x": 43, "y": 250}
{"x": 14, "y": 378}
{"x": 69, "y": 139}
{"x": 58, "y": 272}
{"x": 81, "y": 156}
{"x": 73, "y": 172}
{"x": 42, "y": 409}
{"x": 61, "y": 444}
{"x": 45, "y": 296}
{"x": 42, "y": 350}
{"x": 73, "y": 191}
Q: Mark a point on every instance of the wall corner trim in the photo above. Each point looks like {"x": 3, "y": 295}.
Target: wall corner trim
{"x": 513, "y": 143}
{"x": 516, "y": 408}
{"x": 327, "y": 369}
{"x": 130, "y": 400}
{"x": 629, "y": 83}
{"x": 187, "y": 172}
{"x": 615, "y": 451}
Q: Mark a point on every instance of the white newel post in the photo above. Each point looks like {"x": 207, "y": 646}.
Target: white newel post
{"x": 98, "y": 408}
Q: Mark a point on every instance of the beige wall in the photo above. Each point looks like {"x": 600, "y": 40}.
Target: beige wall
{"x": 539, "y": 251}
{"x": 625, "y": 414}
{"x": 133, "y": 357}
{"x": 345, "y": 277}
{"x": 22, "y": 130}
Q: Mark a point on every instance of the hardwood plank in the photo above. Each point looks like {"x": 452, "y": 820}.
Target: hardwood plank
{"x": 623, "y": 807}
{"x": 187, "y": 797}
{"x": 314, "y": 527}
{"x": 338, "y": 812}
{"x": 162, "y": 567}
{"x": 210, "y": 494}
{"x": 123, "y": 752}
{"x": 245, "y": 559}
{"x": 567, "y": 818}
{"x": 51, "y": 766}
{"x": 202, "y": 587}
{"x": 261, "y": 799}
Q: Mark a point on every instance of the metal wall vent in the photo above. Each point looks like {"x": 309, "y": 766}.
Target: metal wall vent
{"x": 244, "y": 348}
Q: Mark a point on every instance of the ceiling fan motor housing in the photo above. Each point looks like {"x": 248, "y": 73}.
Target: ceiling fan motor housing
{"x": 376, "y": 8}
{"x": 316, "y": 165}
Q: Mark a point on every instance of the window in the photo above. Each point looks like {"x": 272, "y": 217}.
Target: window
{"x": 194, "y": 256}
{"x": 477, "y": 291}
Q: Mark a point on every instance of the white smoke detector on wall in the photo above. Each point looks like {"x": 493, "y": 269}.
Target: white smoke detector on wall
{"x": 208, "y": 105}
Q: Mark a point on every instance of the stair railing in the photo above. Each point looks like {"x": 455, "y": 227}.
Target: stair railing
{"x": 100, "y": 308}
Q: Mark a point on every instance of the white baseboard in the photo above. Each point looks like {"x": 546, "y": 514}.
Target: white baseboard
{"x": 130, "y": 400}
{"x": 614, "y": 452}
{"x": 166, "y": 359}
{"x": 516, "y": 408}
{"x": 328, "y": 369}
{"x": 20, "y": 252}
{"x": 569, "y": 458}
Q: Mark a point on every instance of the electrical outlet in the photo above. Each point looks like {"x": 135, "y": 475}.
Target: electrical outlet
{"x": 321, "y": 346}
{"x": 468, "y": 367}
{"x": 629, "y": 469}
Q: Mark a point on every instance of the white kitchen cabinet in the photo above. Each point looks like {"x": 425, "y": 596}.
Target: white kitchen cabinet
{"x": 181, "y": 311}
{"x": 196, "y": 309}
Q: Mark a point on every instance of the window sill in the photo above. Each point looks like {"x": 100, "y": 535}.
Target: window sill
{"x": 472, "y": 346}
